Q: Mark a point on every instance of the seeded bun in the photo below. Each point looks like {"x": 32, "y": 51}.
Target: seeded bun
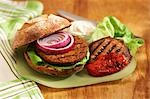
{"x": 39, "y": 27}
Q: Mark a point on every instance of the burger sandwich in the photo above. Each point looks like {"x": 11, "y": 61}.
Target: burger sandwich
{"x": 49, "y": 49}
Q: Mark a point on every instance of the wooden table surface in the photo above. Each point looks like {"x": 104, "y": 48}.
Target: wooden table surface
{"x": 136, "y": 15}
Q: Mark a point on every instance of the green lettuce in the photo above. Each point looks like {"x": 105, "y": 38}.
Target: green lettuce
{"x": 37, "y": 60}
{"x": 34, "y": 57}
{"x": 111, "y": 26}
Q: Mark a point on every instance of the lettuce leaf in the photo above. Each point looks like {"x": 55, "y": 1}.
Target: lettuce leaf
{"x": 111, "y": 26}
{"x": 34, "y": 57}
{"x": 37, "y": 60}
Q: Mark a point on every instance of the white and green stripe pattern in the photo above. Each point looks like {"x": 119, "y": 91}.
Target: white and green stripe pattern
{"x": 20, "y": 89}
{"x": 12, "y": 16}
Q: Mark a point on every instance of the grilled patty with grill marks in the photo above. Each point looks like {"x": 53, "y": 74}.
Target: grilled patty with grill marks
{"x": 107, "y": 45}
{"x": 108, "y": 56}
{"x": 75, "y": 55}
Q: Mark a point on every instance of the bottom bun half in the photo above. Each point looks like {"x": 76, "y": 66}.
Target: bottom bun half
{"x": 52, "y": 70}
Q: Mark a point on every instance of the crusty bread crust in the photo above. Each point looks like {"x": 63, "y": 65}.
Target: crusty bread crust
{"x": 51, "y": 70}
{"x": 38, "y": 28}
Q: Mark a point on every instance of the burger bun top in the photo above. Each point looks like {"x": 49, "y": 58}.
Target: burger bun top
{"x": 37, "y": 28}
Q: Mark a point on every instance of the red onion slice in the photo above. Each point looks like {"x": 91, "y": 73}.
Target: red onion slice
{"x": 55, "y": 40}
{"x": 56, "y": 49}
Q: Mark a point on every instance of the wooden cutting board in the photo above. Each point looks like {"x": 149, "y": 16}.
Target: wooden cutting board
{"x": 136, "y": 15}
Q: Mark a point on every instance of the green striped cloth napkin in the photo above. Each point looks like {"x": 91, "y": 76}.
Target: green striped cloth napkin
{"x": 12, "y": 16}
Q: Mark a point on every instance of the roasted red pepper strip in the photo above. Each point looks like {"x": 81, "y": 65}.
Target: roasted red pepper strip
{"x": 106, "y": 64}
